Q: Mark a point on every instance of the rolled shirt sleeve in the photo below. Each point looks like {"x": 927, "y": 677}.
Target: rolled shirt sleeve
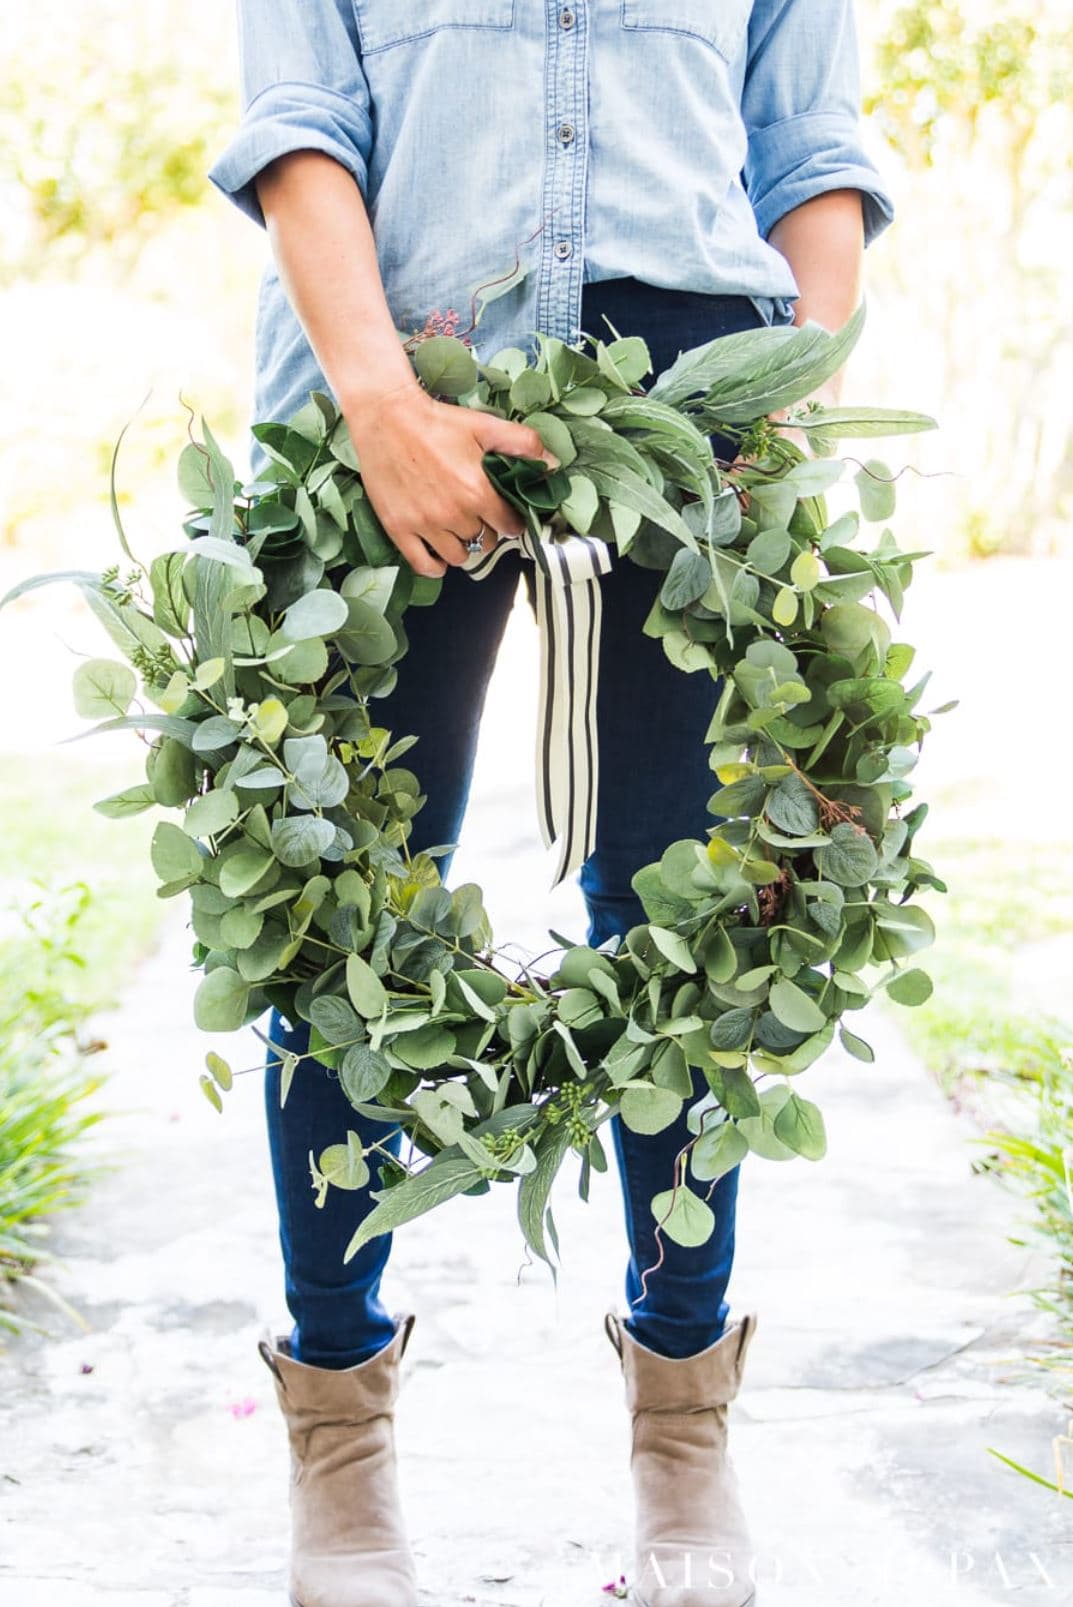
{"x": 303, "y": 88}
{"x": 801, "y": 108}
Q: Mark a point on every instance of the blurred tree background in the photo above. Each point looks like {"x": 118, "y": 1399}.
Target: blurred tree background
{"x": 972, "y": 105}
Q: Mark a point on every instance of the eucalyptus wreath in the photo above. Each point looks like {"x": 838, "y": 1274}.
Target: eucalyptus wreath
{"x": 253, "y": 653}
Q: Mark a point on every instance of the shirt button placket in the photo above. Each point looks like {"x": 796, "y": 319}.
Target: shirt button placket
{"x": 565, "y": 170}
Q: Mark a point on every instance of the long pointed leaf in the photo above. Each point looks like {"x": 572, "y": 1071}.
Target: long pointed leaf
{"x": 79, "y": 577}
{"x": 535, "y": 1188}
{"x": 169, "y": 725}
{"x": 801, "y": 368}
{"x": 222, "y": 479}
{"x": 843, "y": 422}
{"x": 696, "y": 370}
{"x": 441, "y": 1180}
{"x": 750, "y": 374}
{"x": 113, "y": 497}
{"x": 633, "y": 492}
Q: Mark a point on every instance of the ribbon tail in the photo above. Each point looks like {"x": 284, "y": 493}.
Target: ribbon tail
{"x": 569, "y": 610}
{"x": 567, "y": 750}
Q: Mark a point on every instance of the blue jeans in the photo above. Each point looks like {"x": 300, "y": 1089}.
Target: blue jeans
{"x": 645, "y": 708}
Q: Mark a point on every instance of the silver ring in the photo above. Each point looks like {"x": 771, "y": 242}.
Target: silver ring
{"x": 476, "y": 543}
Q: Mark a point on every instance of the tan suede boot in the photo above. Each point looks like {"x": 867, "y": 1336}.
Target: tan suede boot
{"x": 349, "y": 1546}
{"x": 691, "y": 1542}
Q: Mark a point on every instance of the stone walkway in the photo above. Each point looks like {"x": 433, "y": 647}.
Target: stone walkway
{"x": 142, "y": 1459}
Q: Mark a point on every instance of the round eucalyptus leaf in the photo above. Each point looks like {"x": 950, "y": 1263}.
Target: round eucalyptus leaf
{"x": 240, "y": 928}
{"x": 850, "y": 858}
{"x": 335, "y": 1019}
{"x": 446, "y": 366}
{"x": 243, "y": 869}
{"x": 717, "y": 1151}
{"x": 687, "y": 579}
{"x": 103, "y": 688}
{"x": 317, "y": 613}
{"x": 211, "y": 813}
{"x": 363, "y": 1073}
{"x": 799, "y": 1125}
{"x": 875, "y": 487}
{"x": 299, "y": 839}
{"x": 647, "y": 1109}
{"x": 795, "y": 1008}
{"x": 221, "y": 1000}
{"x": 793, "y": 807}
{"x": 731, "y": 1029}
{"x": 683, "y": 1216}
{"x": 344, "y": 1165}
{"x": 910, "y": 987}
{"x": 173, "y": 854}
{"x": 427, "y": 1048}
{"x": 121, "y": 805}
{"x": 366, "y": 990}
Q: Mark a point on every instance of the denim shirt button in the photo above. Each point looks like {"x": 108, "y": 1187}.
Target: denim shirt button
{"x": 563, "y": 248}
{"x": 566, "y": 18}
{"x": 565, "y": 132}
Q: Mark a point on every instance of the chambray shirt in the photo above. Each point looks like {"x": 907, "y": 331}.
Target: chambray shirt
{"x": 656, "y": 138}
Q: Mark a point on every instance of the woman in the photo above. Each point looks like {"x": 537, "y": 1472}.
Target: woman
{"x": 687, "y": 170}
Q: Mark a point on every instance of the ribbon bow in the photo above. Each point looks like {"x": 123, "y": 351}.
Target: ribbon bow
{"x": 569, "y": 609}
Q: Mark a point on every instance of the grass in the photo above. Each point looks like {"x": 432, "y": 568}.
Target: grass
{"x": 46, "y": 1088}
{"x": 51, "y": 837}
{"x": 993, "y": 1032}
{"x": 78, "y": 910}
{"x": 1002, "y": 899}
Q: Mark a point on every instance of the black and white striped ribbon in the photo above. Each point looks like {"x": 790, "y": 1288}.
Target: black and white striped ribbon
{"x": 569, "y": 606}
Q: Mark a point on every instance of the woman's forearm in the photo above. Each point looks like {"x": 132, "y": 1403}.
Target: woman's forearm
{"x": 422, "y": 459}
{"x": 325, "y": 253}
{"x": 823, "y": 241}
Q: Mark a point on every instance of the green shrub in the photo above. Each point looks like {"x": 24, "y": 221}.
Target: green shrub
{"x": 1037, "y": 1161}
{"x": 45, "y": 1086}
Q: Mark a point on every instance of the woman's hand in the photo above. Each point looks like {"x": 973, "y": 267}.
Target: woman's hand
{"x": 421, "y": 465}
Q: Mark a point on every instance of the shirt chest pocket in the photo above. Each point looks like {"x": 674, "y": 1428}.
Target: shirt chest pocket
{"x": 382, "y": 23}
{"x": 719, "y": 23}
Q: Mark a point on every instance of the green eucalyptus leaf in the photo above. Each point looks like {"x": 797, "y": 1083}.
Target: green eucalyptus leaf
{"x": 799, "y": 1125}
{"x": 132, "y": 801}
{"x": 173, "y": 854}
{"x": 446, "y": 1176}
{"x": 683, "y": 1216}
{"x": 363, "y": 1073}
{"x": 718, "y": 1150}
{"x": 103, "y": 688}
{"x": 297, "y": 840}
{"x": 673, "y": 947}
{"x": 910, "y": 987}
{"x": 317, "y": 613}
{"x": 793, "y": 807}
{"x": 875, "y": 487}
{"x": 647, "y": 1109}
{"x": 211, "y": 813}
{"x": 366, "y": 990}
{"x": 795, "y": 1008}
{"x": 850, "y": 858}
{"x": 243, "y": 869}
{"x": 221, "y": 1001}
